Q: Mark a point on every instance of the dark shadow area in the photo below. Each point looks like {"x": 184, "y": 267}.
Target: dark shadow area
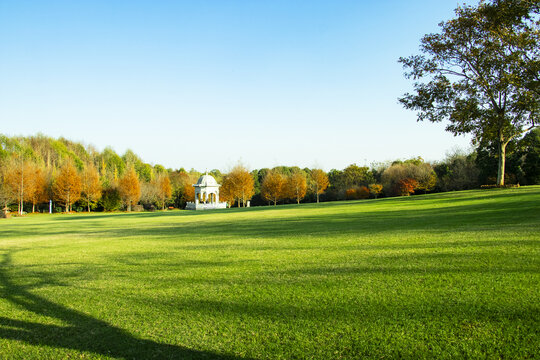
{"x": 83, "y": 333}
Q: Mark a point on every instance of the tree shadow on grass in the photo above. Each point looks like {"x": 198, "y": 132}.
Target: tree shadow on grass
{"x": 82, "y": 332}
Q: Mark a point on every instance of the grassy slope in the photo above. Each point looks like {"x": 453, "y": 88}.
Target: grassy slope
{"x": 447, "y": 275}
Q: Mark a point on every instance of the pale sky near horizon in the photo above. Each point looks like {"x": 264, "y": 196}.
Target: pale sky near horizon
{"x": 205, "y": 84}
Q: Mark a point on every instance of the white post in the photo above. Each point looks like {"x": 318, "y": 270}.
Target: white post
{"x": 50, "y": 206}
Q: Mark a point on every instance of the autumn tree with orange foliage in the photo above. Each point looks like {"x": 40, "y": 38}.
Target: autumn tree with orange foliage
{"x": 350, "y": 194}
{"x": 164, "y": 189}
{"x": 91, "y": 186}
{"x": 238, "y": 185}
{"x": 25, "y": 181}
{"x": 38, "y": 193}
{"x": 130, "y": 188}
{"x": 189, "y": 189}
{"x": 375, "y": 189}
{"x": 226, "y": 192}
{"x": 363, "y": 192}
{"x": 319, "y": 182}
{"x": 296, "y": 186}
{"x": 16, "y": 180}
{"x": 356, "y": 193}
{"x": 405, "y": 187}
{"x": 67, "y": 186}
{"x": 273, "y": 187}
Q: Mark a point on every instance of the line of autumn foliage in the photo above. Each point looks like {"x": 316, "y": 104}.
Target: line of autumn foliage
{"x": 77, "y": 177}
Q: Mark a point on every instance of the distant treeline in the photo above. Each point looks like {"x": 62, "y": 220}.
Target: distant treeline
{"x": 37, "y": 171}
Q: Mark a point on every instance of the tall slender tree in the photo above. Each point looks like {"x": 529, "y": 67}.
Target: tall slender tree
{"x": 319, "y": 182}
{"x": 480, "y": 73}
{"x": 164, "y": 188}
{"x": 67, "y": 185}
{"x": 18, "y": 180}
{"x": 37, "y": 192}
{"x": 130, "y": 188}
{"x": 91, "y": 186}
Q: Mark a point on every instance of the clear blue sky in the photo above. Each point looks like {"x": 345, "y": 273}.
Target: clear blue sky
{"x": 205, "y": 84}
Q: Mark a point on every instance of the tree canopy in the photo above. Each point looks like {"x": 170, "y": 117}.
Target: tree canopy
{"x": 480, "y": 73}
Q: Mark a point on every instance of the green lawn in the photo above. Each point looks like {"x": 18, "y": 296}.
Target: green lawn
{"x": 437, "y": 276}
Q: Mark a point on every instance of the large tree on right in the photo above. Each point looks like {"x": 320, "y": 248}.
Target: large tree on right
{"x": 481, "y": 73}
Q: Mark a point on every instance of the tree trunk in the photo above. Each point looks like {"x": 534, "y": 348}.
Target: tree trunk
{"x": 275, "y": 201}
{"x": 317, "y": 197}
{"x": 88, "y": 201}
{"x": 502, "y": 161}
{"x": 21, "y": 205}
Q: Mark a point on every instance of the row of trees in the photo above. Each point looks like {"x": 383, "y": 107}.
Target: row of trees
{"x": 26, "y": 182}
{"x": 35, "y": 170}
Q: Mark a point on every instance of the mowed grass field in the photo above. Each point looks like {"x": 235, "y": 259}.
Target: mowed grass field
{"x": 453, "y": 275}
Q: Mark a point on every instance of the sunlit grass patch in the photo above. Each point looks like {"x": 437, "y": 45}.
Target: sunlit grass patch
{"x": 441, "y": 276}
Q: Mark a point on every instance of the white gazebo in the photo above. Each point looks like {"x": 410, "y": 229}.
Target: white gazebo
{"x": 206, "y": 195}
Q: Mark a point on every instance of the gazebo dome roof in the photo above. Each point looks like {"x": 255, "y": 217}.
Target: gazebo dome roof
{"x": 207, "y": 180}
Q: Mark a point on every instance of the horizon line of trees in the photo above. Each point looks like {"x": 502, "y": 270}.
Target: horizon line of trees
{"x": 36, "y": 171}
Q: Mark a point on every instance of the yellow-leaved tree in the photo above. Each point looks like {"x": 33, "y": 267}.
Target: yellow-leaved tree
{"x": 237, "y": 185}
{"x": 273, "y": 187}
{"x": 91, "y": 186}
{"x": 296, "y": 186}
{"x": 130, "y": 188}
{"x": 37, "y": 193}
{"x": 226, "y": 191}
{"x": 375, "y": 189}
{"x": 164, "y": 189}
{"x": 319, "y": 182}
{"x": 67, "y": 185}
{"x": 18, "y": 180}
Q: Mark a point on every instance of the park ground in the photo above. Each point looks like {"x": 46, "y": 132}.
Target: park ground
{"x": 452, "y": 275}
